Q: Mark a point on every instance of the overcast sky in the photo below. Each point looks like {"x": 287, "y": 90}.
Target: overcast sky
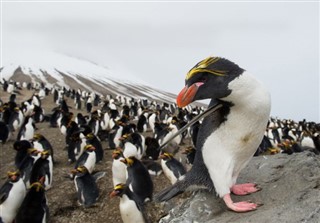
{"x": 160, "y": 41}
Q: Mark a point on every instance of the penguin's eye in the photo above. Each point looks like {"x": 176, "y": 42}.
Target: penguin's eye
{"x": 203, "y": 79}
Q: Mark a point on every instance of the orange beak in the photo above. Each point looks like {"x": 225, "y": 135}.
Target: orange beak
{"x": 187, "y": 94}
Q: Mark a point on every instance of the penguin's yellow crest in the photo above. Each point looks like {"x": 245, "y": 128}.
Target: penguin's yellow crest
{"x": 203, "y": 65}
{"x": 13, "y": 173}
{"x": 37, "y": 185}
{"x": 119, "y": 186}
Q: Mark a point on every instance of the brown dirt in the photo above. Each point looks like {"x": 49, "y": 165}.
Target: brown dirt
{"x": 62, "y": 200}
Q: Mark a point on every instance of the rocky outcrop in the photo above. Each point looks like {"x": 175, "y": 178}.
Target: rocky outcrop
{"x": 290, "y": 193}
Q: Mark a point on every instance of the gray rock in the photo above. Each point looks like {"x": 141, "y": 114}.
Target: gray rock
{"x": 290, "y": 193}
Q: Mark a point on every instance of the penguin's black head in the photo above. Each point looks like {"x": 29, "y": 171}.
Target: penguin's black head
{"x": 166, "y": 156}
{"x": 117, "y": 153}
{"x": 89, "y": 148}
{"x": 208, "y": 79}
{"x": 45, "y": 154}
{"x": 117, "y": 190}
{"x": 37, "y": 136}
{"x": 80, "y": 171}
{"x": 22, "y": 145}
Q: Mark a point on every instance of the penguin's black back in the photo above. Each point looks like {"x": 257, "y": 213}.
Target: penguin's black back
{"x": 87, "y": 188}
{"x": 33, "y": 207}
{"x": 139, "y": 178}
{"x": 4, "y": 132}
{"x": 176, "y": 167}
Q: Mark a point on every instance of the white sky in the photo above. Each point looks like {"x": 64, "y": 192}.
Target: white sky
{"x": 278, "y": 42}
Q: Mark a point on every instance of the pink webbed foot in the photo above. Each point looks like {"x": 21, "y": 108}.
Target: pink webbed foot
{"x": 244, "y": 189}
{"x": 243, "y": 206}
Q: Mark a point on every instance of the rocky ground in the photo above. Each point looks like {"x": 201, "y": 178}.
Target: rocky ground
{"x": 291, "y": 187}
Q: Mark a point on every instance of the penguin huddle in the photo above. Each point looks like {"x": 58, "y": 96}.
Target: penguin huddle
{"x": 136, "y": 132}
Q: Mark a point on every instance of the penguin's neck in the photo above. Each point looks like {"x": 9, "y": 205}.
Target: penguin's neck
{"x": 249, "y": 96}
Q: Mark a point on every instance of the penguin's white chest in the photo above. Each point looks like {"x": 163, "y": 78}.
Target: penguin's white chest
{"x": 90, "y": 162}
{"x": 129, "y": 211}
{"x": 230, "y": 147}
{"x": 9, "y": 208}
{"x": 167, "y": 172}
{"x": 119, "y": 172}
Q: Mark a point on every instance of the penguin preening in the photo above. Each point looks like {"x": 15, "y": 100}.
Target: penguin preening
{"x": 219, "y": 157}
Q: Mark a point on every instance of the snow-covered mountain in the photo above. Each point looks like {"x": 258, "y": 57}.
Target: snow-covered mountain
{"x": 56, "y": 69}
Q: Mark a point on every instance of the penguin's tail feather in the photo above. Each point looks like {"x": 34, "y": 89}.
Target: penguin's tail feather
{"x": 178, "y": 188}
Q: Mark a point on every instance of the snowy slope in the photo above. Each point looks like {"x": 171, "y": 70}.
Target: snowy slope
{"x": 61, "y": 70}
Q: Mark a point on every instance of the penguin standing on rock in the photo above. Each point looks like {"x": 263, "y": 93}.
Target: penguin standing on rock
{"x": 243, "y": 112}
{"x": 12, "y": 194}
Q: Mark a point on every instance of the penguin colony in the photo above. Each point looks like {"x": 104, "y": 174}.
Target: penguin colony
{"x": 134, "y": 129}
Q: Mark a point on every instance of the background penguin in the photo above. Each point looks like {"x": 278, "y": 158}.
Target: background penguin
{"x": 87, "y": 158}
{"x": 190, "y": 154}
{"x": 139, "y": 180}
{"x": 4, "y": 132}
{"x": 142, "y": 124}
{"x": 22, "y": 151}
{"x": 131, "y": 209}
{"x": 16, "y": 119}
{"x": 239, "y": 96}
{"x": 152, "y": 148}
{"x": 132, "y": 145}
{"x": 34, "y": 207}
{"x": 27, "y": 164}
{"x": 114, "y": 135}
{"x": 92, "y": 139}
{"x": 43, "y": 167}
{"x": 12, "y": 194}
{"x": 87, "y": 189}
{"x": 171, "y": 167}
{"x": 153, "y": 167}
{"x": 41, "y": 143}
{"x": 119, "y": 169}
{"x": 27, "y": 129}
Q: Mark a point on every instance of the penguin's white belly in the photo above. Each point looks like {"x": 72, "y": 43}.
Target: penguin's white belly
{"x": 129, "y": 211}
{"x": 28, "y": 133}
{"x": 38, "y": 146}
{"x": 119, "y": 172}
{"x": 307, "y": 142}
{"x": 9, "y": 208}
{"x": 90, "y": 162}
{"x": 231, "y": 146}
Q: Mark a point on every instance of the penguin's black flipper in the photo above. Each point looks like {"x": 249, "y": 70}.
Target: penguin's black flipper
{"x": 178, "y": 188}
{"x": 98, "y": 175}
